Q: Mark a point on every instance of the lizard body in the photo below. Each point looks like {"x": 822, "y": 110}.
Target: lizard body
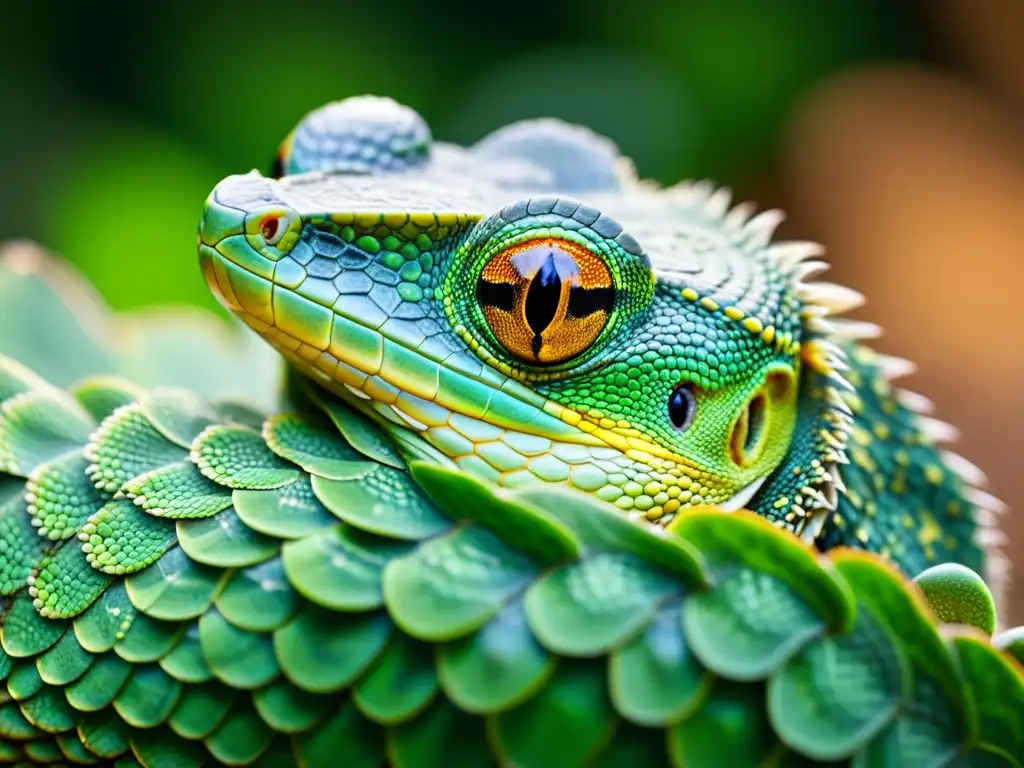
{"x": 567, "y": 470}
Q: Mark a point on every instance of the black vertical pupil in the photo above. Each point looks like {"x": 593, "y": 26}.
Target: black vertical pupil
{"x": 681, "y": 406}
{"x": 542, "y": 299}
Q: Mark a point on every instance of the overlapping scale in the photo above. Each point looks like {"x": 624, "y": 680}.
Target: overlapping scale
{"x": 259, "y": 602}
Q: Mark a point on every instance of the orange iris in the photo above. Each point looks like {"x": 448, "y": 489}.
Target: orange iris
{"x": 546, "y": 300}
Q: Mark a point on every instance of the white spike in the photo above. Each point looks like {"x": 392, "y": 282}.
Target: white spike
{"x": 938, "y": 431}
{"x": 855, "y": 330}
{"x": 964, "y": 469}
{"x": 986, "y": 501}
{"x": 991, "y": 537}
{"x": 809, "y": 311}
{"x": 829, "y": 348}
{"x": 837, "y": 298}
{"x": 813, "y": 526}
{"x": 913, "y": 401}
{"x": 841, "y": 415}
{"x": 821, "y": 501}
{"x": 808, "y": 269}
{"x": 986, "y": 518}
{"x": 739, "y": 216}
{"x": 997, "y": 576}
{"x": 894, "y": 367}
{"x": 761, "y": 228}
{"x": 819, "y": 326}
{"x": 837, "y": 402}
{"x": 840, "y": 382}
{"x": 718, "y": 203}
{"x": 837, "y": 362}
{"x": 790, "y": 253}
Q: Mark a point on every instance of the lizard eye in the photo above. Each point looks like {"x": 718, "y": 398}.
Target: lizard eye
{"x": 681, "y": 406}
{"x": 546, "y": 300}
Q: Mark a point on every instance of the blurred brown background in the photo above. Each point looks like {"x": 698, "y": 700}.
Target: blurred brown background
{"x": 891, "y": 131}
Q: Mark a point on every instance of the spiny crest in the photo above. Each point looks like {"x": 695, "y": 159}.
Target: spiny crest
{"x": 797, "y": 262}
{"x": 826, "y": 334}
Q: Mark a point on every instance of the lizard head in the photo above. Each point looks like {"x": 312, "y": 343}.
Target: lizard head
{"x": 641, "y": 345}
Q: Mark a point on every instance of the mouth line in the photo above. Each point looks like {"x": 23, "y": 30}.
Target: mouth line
{"x": 567, "y": 421}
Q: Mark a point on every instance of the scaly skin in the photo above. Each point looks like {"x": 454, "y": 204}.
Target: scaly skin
{"x": 191, "y": 582}
{"x": 409, "y": 281}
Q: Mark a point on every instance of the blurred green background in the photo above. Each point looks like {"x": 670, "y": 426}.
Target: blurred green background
{"x": 118, "y": 122}
{"x": 889, "y": 130}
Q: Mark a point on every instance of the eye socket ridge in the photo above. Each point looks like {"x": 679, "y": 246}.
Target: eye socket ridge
{"x": 273, "y": 231}
{"x": 546, "y": 300}
{"x": 272, "y": 228}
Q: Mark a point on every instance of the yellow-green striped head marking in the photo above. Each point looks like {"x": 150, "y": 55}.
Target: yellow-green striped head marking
{"x": 641, "y": 345}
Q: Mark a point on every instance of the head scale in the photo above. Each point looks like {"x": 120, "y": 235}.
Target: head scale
{"x": 641, "y": 345}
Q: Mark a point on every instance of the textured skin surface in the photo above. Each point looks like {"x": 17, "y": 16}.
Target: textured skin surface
{"x": 188, "y": 581}
{"x": 250, "y": 591}
{"x": 371, "y": 284}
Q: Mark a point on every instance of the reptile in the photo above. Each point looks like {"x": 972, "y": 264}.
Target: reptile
{"x": 564, "y": 468}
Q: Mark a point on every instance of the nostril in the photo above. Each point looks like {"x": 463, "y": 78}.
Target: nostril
{"x": 745, "y": 441}
{"x": 755, "y": 423}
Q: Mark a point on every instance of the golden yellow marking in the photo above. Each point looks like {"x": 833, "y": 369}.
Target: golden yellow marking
{"x": 929, "y": 534}
{"x": 814, "y": 355}
{"x": 933, "y": 474}
{"x": 861, "y": 437}
{"x": 709, "y": 304}
{"x": 395, "y": 220}
{"x": 690, "y": 295}
{"x": 734, "y": 313}
{"x": 367, "y": 219}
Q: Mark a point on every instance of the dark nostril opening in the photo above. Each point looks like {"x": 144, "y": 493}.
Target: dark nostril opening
{"x": 755, "y": 423}
{"x": 743, "y": 442}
